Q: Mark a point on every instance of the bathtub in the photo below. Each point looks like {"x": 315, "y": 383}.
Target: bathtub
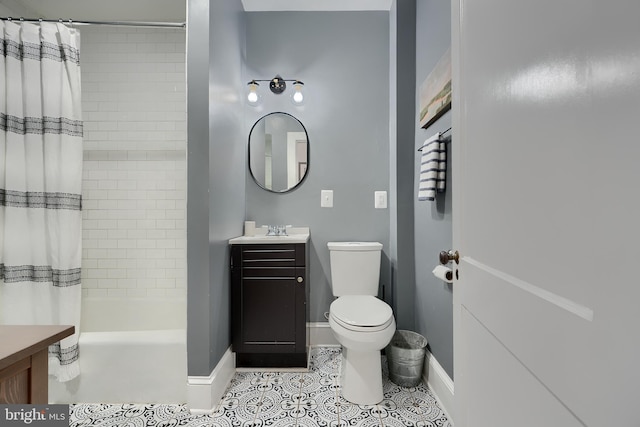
{"x": 131, "y": 351}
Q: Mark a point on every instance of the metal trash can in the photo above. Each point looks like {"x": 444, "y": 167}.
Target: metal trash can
{"x": 405, "y": 355}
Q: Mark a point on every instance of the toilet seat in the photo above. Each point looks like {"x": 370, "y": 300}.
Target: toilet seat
{"x": 363, "y": 313}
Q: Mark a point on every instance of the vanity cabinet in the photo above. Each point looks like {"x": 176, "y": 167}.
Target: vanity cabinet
{"x": 24, "y": 361}
{"x": 269, "y": 304}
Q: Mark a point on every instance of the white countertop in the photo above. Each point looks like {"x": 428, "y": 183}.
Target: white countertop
{"x": 294, "y": 235}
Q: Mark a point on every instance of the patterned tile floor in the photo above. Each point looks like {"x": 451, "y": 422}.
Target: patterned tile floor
{"x": 279, "y": 399}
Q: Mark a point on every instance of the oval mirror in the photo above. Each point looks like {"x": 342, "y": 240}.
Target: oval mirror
{"x": 278, "y": 152}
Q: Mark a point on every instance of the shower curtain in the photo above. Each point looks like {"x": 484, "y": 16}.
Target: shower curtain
{"x": 40, "y": 183}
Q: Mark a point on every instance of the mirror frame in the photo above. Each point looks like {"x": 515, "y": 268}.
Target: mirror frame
{"x": 249, "y": 154}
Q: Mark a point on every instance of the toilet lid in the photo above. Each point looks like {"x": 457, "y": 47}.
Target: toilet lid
{"x": 361, "y": 311}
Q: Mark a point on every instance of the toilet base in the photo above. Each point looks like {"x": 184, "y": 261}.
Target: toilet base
{"x": 361, "y": 376}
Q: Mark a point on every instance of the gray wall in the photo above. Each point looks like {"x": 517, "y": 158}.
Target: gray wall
{"x": 343, "y": 59}
{"x": 433, "y": 302}
{"x": 216, "y": 164}
{"x": 358, "y": 144}
{"x": 402, "y": 63}
{"x": 14, "y": 9}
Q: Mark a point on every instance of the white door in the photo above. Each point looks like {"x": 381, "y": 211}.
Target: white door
{"x": 546, "y": 212}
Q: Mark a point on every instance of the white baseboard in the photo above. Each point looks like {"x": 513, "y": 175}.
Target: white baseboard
{"x": 434, "y": 375}
{"x": 204, "y": 393}
{"x": 320, "y": 335}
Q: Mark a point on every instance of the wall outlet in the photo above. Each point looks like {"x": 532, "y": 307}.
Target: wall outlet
{"x": 380, "y": 199}
{"x": 326, "y": 198}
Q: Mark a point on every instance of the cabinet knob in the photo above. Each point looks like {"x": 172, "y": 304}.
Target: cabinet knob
{"x": 300, "y": 279}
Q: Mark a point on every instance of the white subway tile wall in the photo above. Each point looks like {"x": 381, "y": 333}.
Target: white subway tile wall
{"x": 134, "y": 179}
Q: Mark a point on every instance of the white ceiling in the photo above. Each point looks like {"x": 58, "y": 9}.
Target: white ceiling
{"x": 103, "y": 10}
{"x": 167, "y": 10}
{"x": 272, "y": 5}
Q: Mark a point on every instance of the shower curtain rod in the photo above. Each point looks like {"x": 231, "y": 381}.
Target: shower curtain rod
{"x": 112, "y": 23}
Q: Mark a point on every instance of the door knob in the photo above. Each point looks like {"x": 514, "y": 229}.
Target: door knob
{"x": 448, "y": 256}
{"x": 300, "y": 279}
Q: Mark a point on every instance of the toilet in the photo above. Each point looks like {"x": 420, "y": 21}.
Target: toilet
{"x": 362, "y": 324}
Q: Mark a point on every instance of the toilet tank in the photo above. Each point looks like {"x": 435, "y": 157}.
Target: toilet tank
{"x": 355, "y": 267}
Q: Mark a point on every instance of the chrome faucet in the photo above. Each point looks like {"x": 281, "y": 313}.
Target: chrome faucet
{"x": 276, "y": 230}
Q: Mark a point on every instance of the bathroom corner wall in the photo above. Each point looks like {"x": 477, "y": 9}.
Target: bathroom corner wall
{"x": 343, "y": 59}
{"x": 402, "y": 62}
{"x": 216, "y": 173}
{"x": 134, "y": 177}
{"x": 433, "y": 298}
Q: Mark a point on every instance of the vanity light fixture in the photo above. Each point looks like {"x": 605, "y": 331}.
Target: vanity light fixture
{"x": 297, "y": 97}
{"x": 252, "y": 97}
{"x": 277, "y": 85}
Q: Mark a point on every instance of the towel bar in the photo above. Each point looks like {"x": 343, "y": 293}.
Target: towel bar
{"x": 441, "y": 133}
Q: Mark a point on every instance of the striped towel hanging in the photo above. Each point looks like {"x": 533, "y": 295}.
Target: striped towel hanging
{"x": 442, "y": 168}
{"x": 429, "y": 168}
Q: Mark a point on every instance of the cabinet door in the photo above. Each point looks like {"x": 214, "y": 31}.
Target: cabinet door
{"x": 268, "y": 293}
{"x": 302, "y": 314}
{"x": 269, "y": 312}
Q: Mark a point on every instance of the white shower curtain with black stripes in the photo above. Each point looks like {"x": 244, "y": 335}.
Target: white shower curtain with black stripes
{"x": 40, "y": 183}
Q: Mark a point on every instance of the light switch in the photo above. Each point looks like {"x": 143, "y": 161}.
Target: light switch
{"x": 326, "y": 198}
{"x": 380, "y": 199}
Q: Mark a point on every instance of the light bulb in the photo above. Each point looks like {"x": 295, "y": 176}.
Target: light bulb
{"x": 298, "y": 97}
{"x": 252, "y": 96}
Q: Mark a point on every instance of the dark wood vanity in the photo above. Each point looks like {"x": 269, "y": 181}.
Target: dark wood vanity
{"x": 24, "y": 361}
{"x": 269, "y": 304}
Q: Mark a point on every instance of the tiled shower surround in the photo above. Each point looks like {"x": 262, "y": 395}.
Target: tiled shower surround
{"x": 134, "y": 180}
